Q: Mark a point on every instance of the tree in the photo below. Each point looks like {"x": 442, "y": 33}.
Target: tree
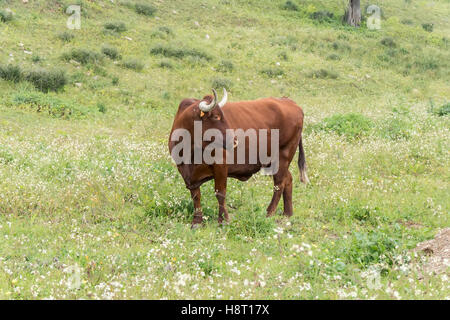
{"x": 353, "y": 13}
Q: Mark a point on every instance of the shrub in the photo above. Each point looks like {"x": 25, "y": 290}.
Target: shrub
{"x": 133, "y": 64}
{"x": 225, "y": 66}
{"x": 283, "y": 55}
{"x": 54, "y": 106}
{"x": 111, "y": 52}
{"x": 115, "y": 81}
{"x": 428, "y": 27}
{"x": 334, "y": 57}
{"x": 165, "y": 63}
{"x": 162, "y": 32}
{"x": 221, "y": 83}
{"x": 11, "y": 73}
{"x": 47, "y": 80}
{"x": 101, "y": 107}
{"x": 368, "y": 248}
{"x": 443, "y": 110}
{"x": 388, "y": 42}
{"x": 83, "y": 56}
{"x": 289, "y": 5}
{"x": 115, "y": 26}
{"x": 273, "y": 72}
{"x": 323, "y": 74}
{"x": 341, "y": 45}
{"x": 179, "y": 53}
{"x": 65, "y": 36}
{"x": 144, "y": 9}
{"x": 322, "y": 16}
{"x": 6, "y": 15}
{"x": 407, "y": 22}
{"x": 36, "y": 58}
{"x": 427, "y": 63}
{"x": 395, "y": 128}
{"x": 352, "y": 125}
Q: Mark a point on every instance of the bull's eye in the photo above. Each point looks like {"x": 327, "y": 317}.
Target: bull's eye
{"x": 216, "y": 117}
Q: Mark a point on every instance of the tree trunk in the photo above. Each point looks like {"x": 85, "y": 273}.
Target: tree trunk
{"x": 353, "y": 13}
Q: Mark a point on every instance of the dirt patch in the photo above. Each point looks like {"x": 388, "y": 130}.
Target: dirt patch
{"x": 438, "y": 250}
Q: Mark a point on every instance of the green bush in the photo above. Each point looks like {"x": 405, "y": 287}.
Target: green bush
{"x": 289, "y": 5}
{"x": 165, "y": 63}
{"x": 395, "y": 128}
{"x": 65, "y": 36}
{"x": 6, "y": 16}
{"x": 47, "y": 80}
{"x": 179, "y": 53}
{"x": 162, "y": 32}
{"x": 36, "y": 58}
{"x": 323, "y": 74}
{"x": 443, "y": 110}
{"x": 428, "y": 27}
{"x": 48, "y": 103}
{"x": 221, "y": 83}
{"x": 334, "y": 57}
{"x": 388, "y": 42}
{"x": 83, "y": 56}
{"x": 111, "y": 52}
{"x": 426, "y": 63}
{"x": 369, "y": 248}
{"x": 133, "y": 64}
{"x": 273, "y": 72}
{"x": 116, "y": 26}
{"x": 322, "y": 16}
{"x": 101, "y": 107}
{"x": 351, "y": 125}
{"x": 144, "y": 9}
{"x": 225, "y": 66}
{"x": 11, "y": 73}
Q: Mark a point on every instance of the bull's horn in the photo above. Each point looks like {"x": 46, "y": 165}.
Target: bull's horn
{"x": 208, "y": 107}
{"x": 224, "y": 99}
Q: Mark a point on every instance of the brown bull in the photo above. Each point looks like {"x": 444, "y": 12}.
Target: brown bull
{"x": 269, "y": 114}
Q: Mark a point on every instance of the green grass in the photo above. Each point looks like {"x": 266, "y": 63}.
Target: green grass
{"x": 87, "y": 184}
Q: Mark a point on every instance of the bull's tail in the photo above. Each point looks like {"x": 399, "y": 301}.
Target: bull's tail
{"x": 302, "y": 162}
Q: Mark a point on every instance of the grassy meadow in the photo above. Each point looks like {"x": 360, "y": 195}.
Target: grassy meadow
{"x": 92, "y": 206}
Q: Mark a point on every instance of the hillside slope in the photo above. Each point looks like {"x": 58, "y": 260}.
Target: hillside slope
{"x": 87, "y": 185}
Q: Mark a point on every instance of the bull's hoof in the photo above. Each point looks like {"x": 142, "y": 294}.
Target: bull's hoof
{"x": 224, "y": 223}
{"x": 196, "y": 226}
{"x": 287, "y": 214}
{"x": 270, "y": 213}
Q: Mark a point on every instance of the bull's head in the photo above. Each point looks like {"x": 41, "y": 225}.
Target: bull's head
{"x": 210, "y": 113}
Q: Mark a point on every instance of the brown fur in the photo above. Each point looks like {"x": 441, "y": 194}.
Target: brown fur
{"x": 268, "y": 113}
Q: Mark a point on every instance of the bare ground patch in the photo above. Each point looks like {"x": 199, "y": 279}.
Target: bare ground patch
{"x": 438, "y": 252}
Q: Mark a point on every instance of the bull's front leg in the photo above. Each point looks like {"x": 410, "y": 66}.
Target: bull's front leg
{"x": 220, "y": 188}
{"x": 198, "y": 215}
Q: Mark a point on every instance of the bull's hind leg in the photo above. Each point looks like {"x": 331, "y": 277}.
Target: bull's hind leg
{"x": 287, "y": 195}
{"x": 198, "y": 215}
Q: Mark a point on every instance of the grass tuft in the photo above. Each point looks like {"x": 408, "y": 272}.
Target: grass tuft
{"x": 11, "y": 72}
{"x": 83, "y": 56}
{"x": 111, "y": 52}
{"x": 145, "y": 9}
{"x": 352, "y": 125}
{"x": 115, "y": 26}
{"x": 47, "y": 80}
{"x": 179, "y": 53}
{"x": 133, "y": 64}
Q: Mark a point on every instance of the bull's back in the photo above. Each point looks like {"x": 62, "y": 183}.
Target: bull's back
{"x": 269, "y": 113}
